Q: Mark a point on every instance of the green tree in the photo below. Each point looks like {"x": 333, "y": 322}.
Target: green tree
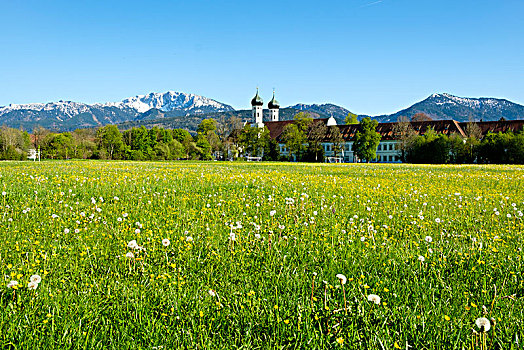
{"x": 351, "y": 118}
{"x": 207, "y": 125}
{"x": 336, "y": 139}
{"x": 317, "y": 134}
{"x": 58, "y": 146}
{"x": 303, "y": 121}
{"x": 203, "y": 147}
{"x": 176, "y": 149}
{"x": 430, "y": 148}
{"x": 162, "y": 151}
{"x": 295, "y": 140}
{"x": 271, "y": 150}
{"x": 366, "y": 140}
{"x": 110, "y": 142}
{"x": 515, "y": 148}
{"x": 253, "y": 140}
{"x": 184, "y": 137}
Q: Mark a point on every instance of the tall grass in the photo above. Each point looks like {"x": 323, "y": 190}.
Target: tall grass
{"x": 253, "y": 254}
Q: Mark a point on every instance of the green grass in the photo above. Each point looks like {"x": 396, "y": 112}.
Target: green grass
{"x": 368, "y": 222}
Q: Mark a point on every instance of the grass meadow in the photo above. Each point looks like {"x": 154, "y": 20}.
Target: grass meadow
{"x": 168, "y": 255}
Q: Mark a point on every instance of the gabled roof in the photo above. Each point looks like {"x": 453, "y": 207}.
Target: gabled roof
{"x": 386, "y": 130}
{"x": 276, "y": 128}
{"x": 498, "y": 126}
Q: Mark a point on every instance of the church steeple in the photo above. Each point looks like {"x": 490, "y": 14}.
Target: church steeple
{"x": 257, "y": 100}
{"x": 273, "y": 106}
{"x": 257, "y": 107}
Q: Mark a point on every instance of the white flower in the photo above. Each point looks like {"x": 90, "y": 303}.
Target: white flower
{"x": 483, "y": 324}
{"x": 36, "y": 278}
{"x": 374, "y": 298}
{"x": 137, "y": 231}
{"x": 4, "y": 193}
{"x": 342, "y": 278}
{"x": 66, "y": 230}
{"x": 166, "y": 242}
{"x": 272, "y": 212}
{"x": 232, "y": 236}
{"x": 130, "y": 255}
{"x": 32, "y": 285}
{"x": 189, "y": 239}
{"x": 428, "y": 239}
{"x": 12, "y": 284}
{"x": 430, "y": 251}
{"x": 437, "y": 220}
{"x": 132, "y": 244}
{"x": 212, "y": 293}
{"x": 362, "y": 239}
{"x": 257, "y": 235}
{"x": 421, "y": 258}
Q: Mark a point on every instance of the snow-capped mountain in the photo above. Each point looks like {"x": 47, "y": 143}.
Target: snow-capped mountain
{"x": 170, "y": 101}
{"x": 68, "y": 115}
{"x": 445, "y": 106}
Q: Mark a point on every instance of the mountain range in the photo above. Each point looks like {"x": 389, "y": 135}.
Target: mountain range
{"x": 181, "y": 110}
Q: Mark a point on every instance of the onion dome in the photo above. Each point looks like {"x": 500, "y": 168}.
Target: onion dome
{"x": 257, "y": 100}
{"x": 273, "y": 104}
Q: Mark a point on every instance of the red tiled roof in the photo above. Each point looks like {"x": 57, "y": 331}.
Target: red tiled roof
{"x": 447, "y": 127}
{"x": 276, "y": 128}
{"x": 386, "y": 130}
{"x": 498, "y": 126}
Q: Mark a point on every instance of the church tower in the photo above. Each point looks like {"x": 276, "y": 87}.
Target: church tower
{"x": 273, "y": 106}
{"x": 257, "y": 106}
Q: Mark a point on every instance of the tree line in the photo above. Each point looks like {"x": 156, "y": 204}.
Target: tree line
{"x": 109, "y": 142}
{"x": 303, "y": 140}
{"x": 434, "y": 148}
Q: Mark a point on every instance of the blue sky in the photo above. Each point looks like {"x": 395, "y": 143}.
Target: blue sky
{"x": 370, "y": 56}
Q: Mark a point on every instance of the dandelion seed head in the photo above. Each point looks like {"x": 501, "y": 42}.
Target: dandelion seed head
{"x": 374, "y": 298}
{"x": 342, "y": 278}
{"x": 36, "y": 279}
{"x": 483, "y": 324}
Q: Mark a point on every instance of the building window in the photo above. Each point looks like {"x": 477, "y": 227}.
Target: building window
{"x": 379, "y": 147}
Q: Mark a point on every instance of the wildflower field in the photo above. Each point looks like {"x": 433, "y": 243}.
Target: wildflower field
{"x": 125, "y": 255}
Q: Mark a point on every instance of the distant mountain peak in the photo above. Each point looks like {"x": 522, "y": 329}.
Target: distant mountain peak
{"x": 67, "y": 115}
{"x": 441, "y": 106}
{"x": 173, "y": 100}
